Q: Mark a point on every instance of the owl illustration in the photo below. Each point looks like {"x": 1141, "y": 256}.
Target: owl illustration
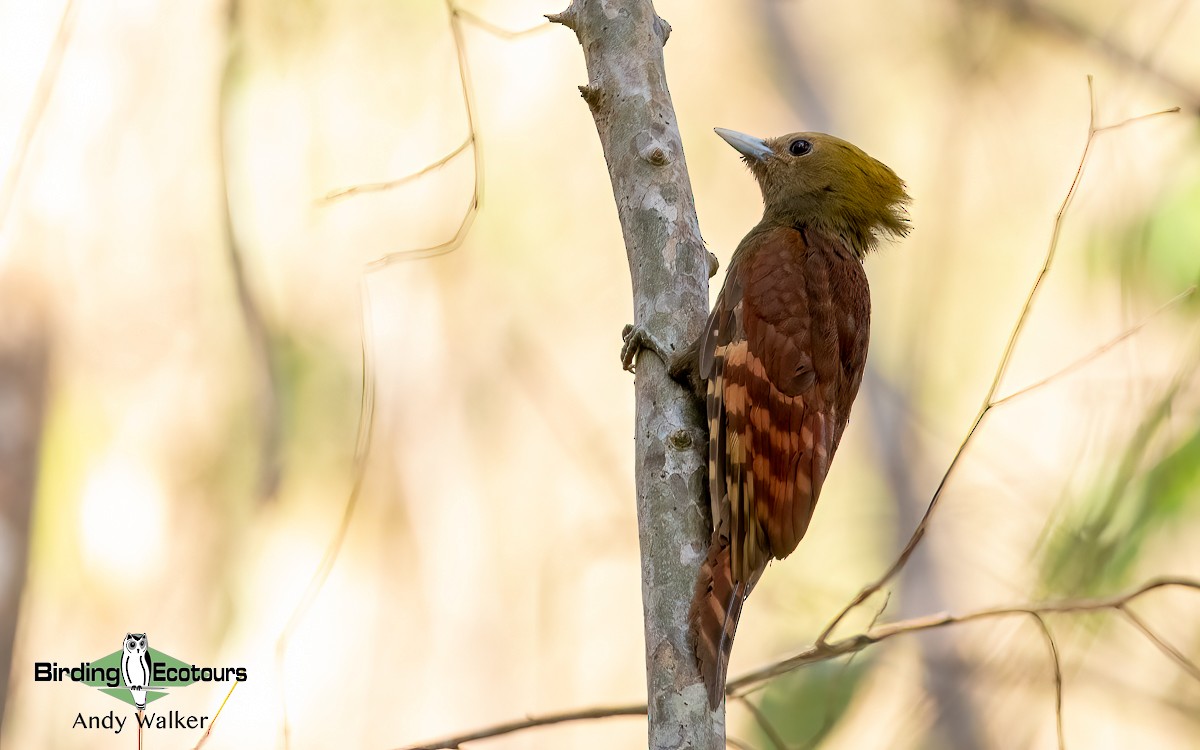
{"x": 135, "y": 667}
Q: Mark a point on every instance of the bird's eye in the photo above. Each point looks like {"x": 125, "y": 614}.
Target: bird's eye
{"x": 800, "y": 147}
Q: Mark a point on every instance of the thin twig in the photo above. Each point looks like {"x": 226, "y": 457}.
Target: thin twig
{"x": 375, "y": 187}
{"x": 1138, "y": 118}
{"x": 489, "y": 27}
{"x": 464, "y": 77}
{"x": 764, "y": 723}
{"x": 532, "y": 722}
{"x": 1001, "y": 369}
{"x": 213, "y": 722}
{"x": 1175, "y": 654}
{"x": 464, "y": 226}
{"x": 1100, "y": 350}
{"x": 431, "y": 251}
{"x": 362, "y": 450}
{"x": 818, "y": 652}
{"x": 835, "y": 688}
{"x": 1056, "y": 662}
{"x": 457, "y": 14}
{"x": 841, "y": 676}
{"x": 499, "y": 31}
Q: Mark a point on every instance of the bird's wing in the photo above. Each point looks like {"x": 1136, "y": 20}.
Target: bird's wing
{"x": 781, "y": 358}
{"x": 723, "y": 329}
{"x": 783, "y": 354}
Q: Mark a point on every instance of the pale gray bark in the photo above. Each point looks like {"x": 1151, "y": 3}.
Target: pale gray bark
{"x": 622, "y": 44}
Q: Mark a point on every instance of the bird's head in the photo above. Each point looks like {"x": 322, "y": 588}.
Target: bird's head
{"x": 823, "y": 182}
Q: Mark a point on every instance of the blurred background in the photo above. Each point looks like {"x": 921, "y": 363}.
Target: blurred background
{"x": 183, "y": 318}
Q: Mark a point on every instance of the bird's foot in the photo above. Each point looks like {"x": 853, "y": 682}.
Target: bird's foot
{"x": 636, "y": 339}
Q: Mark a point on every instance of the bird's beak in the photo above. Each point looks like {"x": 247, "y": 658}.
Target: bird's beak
{"x": 747, "y": 145}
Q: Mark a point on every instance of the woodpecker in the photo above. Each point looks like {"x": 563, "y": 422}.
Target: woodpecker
{"x": 780, "y": 361}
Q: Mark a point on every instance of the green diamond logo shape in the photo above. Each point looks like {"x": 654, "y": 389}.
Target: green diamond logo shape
{"x": 157, "y": 688}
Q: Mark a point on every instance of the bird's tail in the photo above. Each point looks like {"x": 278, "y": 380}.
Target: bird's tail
{"x": 716, "y": 607}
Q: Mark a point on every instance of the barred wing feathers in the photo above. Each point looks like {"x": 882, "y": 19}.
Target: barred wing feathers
{"x": 783, "y": 356}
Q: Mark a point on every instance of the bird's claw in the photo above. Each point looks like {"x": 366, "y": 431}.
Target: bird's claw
{"x": 637, "y": 338}
{"x": 631, "y": 344}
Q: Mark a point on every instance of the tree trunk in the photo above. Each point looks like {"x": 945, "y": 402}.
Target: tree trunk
{"x": 622, "y": 44}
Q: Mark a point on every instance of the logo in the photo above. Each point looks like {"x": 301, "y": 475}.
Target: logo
{"x": 137, "y": 675}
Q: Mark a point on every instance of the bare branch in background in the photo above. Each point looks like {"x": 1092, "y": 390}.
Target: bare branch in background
{"x": 823, "y": 652}
{"x": 471, "y": 141}
{"x": 1098, "y": 351}
{"x": 362, "y": 449}
{"x": 622, "y": 43}
{"x": 1173, "y": 653}
{"x": 764, "y": 723}
{"x": 375, "y": 187}
{"x": 497, "y": 30}
{"x": 1056, "y": 662}
{"x": 989, "y": 399}
{"x": 819, "y": 652}
{"x": 464, "y": 226}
